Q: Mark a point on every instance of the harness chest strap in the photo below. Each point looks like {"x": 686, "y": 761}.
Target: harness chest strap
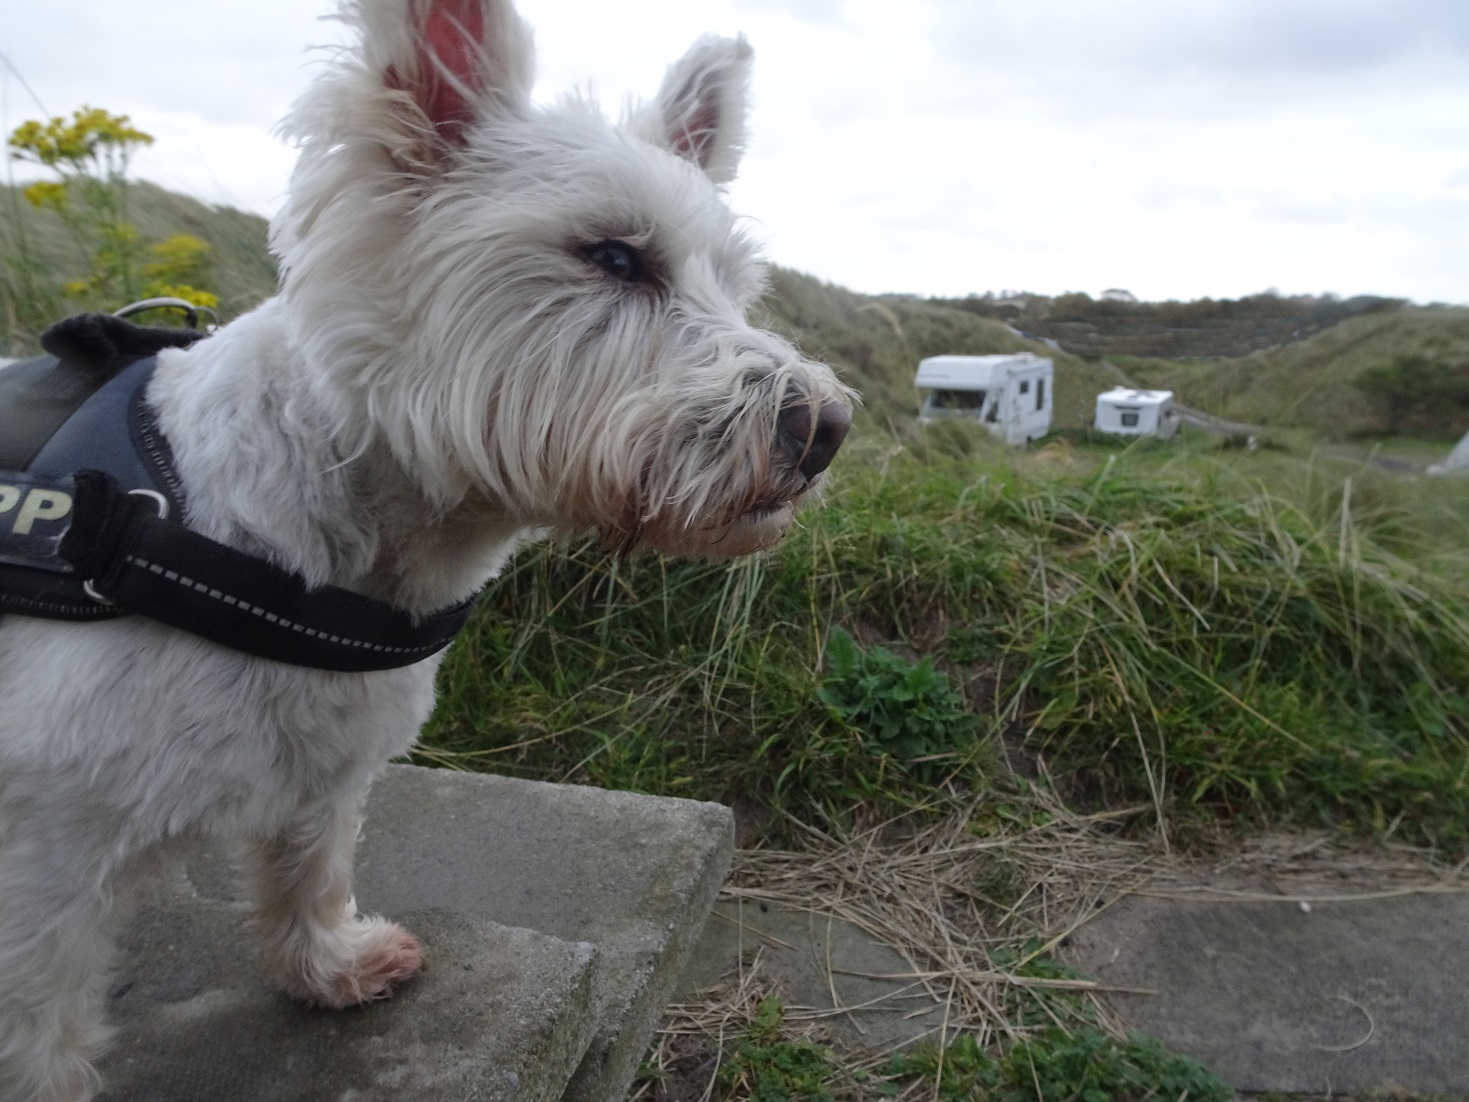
{"x": 87, "y": 491}
{"x": 137, "y": 560}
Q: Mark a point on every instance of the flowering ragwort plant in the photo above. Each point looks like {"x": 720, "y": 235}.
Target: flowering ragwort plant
{"x": 91, "y": 153}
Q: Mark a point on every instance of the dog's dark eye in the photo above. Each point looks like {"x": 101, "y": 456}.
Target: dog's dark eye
{"x": 618, "y": 259}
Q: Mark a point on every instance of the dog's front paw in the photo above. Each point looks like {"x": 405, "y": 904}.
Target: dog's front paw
{"x": 364, "y": 959}
{"x": 388, "y": 957}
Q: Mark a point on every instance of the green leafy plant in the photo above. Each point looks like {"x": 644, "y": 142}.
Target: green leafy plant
{"x": 1090, "y": 1066}
{"x": 907, "y": 708}
{"x": 962, "y": 1070}
{"x": 765, "y": 1067}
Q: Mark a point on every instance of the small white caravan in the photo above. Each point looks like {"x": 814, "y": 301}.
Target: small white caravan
{"x": 1010, "y": 394}
{"x": 1128, "y": 412}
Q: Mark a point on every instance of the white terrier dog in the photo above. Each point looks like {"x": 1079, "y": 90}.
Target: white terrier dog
{"x": 495, "y": 320}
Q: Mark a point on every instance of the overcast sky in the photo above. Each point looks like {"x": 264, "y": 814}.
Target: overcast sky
{"x": 1176, "y": 148}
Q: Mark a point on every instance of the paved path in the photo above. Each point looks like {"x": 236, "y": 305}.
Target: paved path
{"x": 1352, "y": 993}
{"x": 824, "y": 968}
{"x": 1362, "y": 996}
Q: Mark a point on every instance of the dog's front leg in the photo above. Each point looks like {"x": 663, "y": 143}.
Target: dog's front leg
{"x": 56, "y": 942}
{"x": 317, "y": 947}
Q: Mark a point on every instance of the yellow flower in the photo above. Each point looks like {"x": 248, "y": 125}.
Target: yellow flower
{"x": 65, "y": 146}
{"x": 46, "y": 193}
{"x": 178, "y": 257}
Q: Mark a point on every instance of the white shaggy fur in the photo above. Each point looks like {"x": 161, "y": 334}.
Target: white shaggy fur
{"x": 452, "y": 367}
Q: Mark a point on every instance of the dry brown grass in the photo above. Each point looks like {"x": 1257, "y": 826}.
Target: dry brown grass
{"x": 973, "y": 904}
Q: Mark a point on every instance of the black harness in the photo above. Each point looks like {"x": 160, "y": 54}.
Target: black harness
{"x": 91, "y": 528}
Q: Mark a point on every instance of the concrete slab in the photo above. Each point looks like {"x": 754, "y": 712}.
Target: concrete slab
{"x": 471, "y": 863}
{"x": 818, "y": 964}
{"x": 500, "y": 1014}
{"x": 1362, "y": 996}
{"x": 634, "y": 875}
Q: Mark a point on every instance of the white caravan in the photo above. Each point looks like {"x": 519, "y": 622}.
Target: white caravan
{"x": 1010, "y": 395}
{"x": 1128, "y": 412}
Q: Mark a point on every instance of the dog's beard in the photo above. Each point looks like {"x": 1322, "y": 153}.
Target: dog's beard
{"x": 754, "y": 531}
{"x": 729, "y": 485}
{"x": 757, "y": 521}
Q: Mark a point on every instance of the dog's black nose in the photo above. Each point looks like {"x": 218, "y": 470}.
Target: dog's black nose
{"x": 813, "y": 447}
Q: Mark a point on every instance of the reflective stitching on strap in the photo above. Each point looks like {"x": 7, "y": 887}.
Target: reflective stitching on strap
{"x": 270, "y": 617}
{"x": 157, "y": 447}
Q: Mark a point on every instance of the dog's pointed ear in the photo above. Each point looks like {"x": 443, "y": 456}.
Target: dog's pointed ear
{"x": 700, "y": 110}
{"x": 459, "y": 61}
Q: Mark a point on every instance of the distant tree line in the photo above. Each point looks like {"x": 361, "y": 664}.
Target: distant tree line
{"x": 1418, "y": 394}
{"x": 1171, "y": 330}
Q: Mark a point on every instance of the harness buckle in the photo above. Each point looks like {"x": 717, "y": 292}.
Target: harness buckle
{"x": 161, "y": 503}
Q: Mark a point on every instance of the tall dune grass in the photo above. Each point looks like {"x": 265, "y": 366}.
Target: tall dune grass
{"x": 1228, "y": 641}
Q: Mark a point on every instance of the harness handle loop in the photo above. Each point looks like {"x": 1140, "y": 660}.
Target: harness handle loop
{"x": 191, "y": 310}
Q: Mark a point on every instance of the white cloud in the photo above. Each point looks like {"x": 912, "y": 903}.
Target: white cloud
{"x": 1174, "y": 147}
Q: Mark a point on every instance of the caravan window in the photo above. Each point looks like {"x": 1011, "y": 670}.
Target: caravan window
{"x": 1024, "y": 386}
{"x": 1040, "y": 394}
{"x": 1129, "y": 416}
{"x": 957, "y": 399}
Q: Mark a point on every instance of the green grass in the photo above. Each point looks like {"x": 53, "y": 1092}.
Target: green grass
{"x": 907, "y": 710}
{"x": 1085, "y": 1064}
{"x": 1409, "y": 449}
{"x": 765, "y": 1066}
{"x": 1239, "y": 638}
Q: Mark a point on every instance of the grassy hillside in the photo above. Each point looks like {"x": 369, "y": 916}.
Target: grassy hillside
{"x": 875, "y": 342}
{"x": 1310, "y": 384}
{"x": 38, "y": 255}
{"x": 1174, "y": 330}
